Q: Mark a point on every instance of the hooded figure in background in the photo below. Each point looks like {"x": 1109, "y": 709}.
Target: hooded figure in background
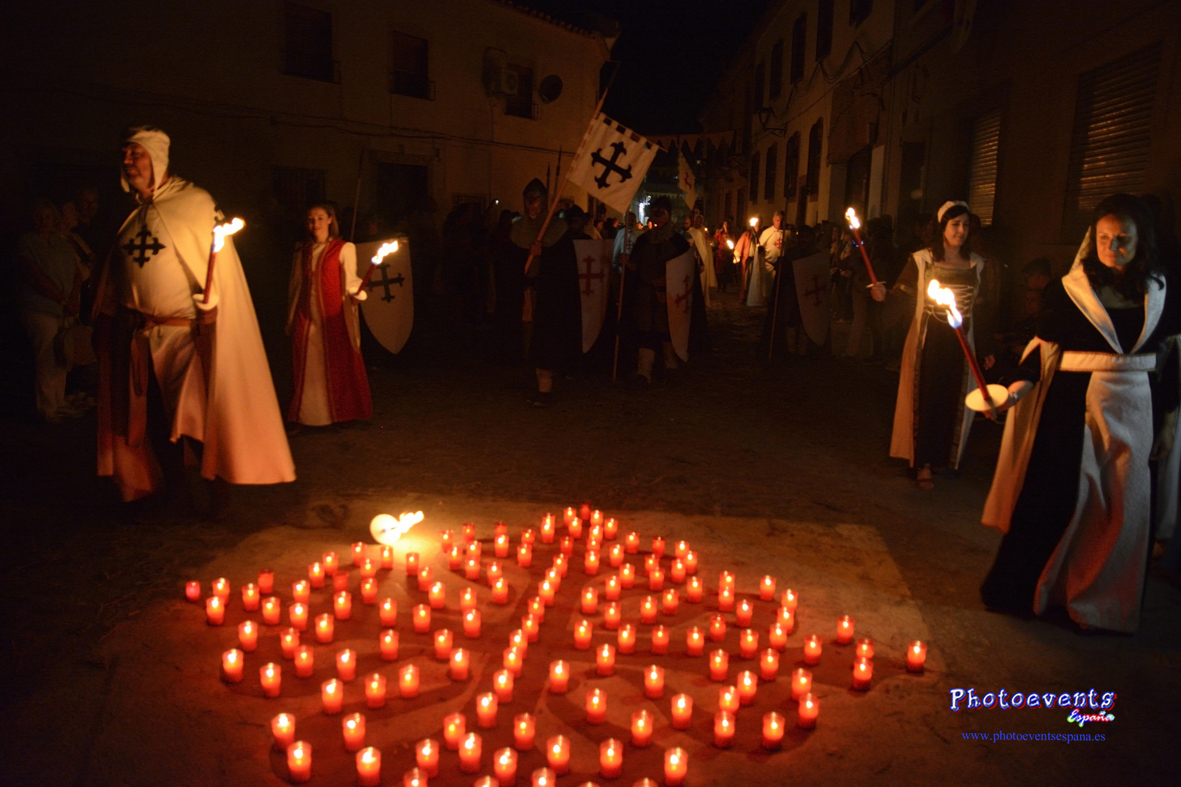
{"x": 180, "y": 368}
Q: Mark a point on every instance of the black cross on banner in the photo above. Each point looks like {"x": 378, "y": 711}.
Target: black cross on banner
{"x": 385, "y": 281}
{"x": 143, "y": 247}
{"x": 610, "y": 165}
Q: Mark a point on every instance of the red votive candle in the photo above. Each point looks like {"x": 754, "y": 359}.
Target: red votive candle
{"x": 659, "y": 640}
{"x": 682, "y": 711}
{"x": 331, "y": 696}
{"x": 352, "y": 728}
{"x": 724, "y": 724}
{"x": 719, "y": 665}
{"x": 596, "y": 706}
{"x": 454, "y": 728}
{"x": 524, "y": 728}
{"x": 773, "y": 726}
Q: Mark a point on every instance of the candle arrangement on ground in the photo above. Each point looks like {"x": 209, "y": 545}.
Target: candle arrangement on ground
{"x": 754, "y": 627}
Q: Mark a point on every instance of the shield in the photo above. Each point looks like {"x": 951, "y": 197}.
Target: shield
{"x": 678, "y": 275}
{"x": 389, "y": 309}
{"x": 594, "y": 263}
{"x": 812, "y": 287}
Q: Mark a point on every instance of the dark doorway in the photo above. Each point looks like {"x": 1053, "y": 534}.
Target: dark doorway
{"x": 400, "y": 188}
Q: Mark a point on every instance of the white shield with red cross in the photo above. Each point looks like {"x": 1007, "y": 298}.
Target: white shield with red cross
{"x": 389, "y": 309}
{"x": 678, "y": 278}
{"x": 594, "y": 274}
{"x": 812, "y": 288}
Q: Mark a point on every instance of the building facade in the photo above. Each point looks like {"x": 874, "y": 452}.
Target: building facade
{"x": 1031, "y": 112}
{"x": 274, "y": 104}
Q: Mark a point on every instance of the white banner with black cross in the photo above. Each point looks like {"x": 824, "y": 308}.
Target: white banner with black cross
{"x": 612, "y": 161}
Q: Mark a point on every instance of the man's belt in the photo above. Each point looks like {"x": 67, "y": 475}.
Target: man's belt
{"x": 139, "y": 352}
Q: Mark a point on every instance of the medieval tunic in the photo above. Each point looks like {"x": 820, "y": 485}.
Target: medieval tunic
{"x": 931, "y": 423}
{"x": 557, "y": 313}
{"x": 215, "y": 390}
{"x": 1072, "y": 489}
{"x": 330, "y": 381}
{"x": 652, "y": 250}
{"x": 522, "y": 235}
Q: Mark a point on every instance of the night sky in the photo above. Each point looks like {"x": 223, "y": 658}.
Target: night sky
{"x": 671, "y": 53}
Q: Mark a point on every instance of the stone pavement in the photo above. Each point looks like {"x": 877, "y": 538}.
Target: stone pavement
{"x": 112, "y": 678}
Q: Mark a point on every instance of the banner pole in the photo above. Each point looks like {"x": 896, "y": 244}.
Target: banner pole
{"x": 619, "y": 303}
{"x": 553, "y": 203}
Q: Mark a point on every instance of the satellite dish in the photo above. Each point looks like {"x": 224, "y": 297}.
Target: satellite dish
{"x": 550, "y": 88}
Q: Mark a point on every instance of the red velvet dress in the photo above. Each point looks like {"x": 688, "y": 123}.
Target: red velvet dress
{"x": 330, "y": 380}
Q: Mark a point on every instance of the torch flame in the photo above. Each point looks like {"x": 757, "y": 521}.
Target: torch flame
{"x": 386, "y": 248}
{"x": 387, "y": 530}
{"x": 754, "y": 220}
{"x": 730, "y": 243}
{"x": 851, "y": 217}
{"x": 222, "y": 230}
{"x": 946, "y": 297}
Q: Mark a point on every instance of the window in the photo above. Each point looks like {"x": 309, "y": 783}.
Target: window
{"x": 859, "y": 11}
{"x": 409, "y": 74}
{"x": 307, "y": 39}
{"x": 777, "y": 69}
{"x": 799, "y": 40}
{"x": 295, "y": 189}
{"x": 815, "y": 143}
{"x": 986, "y": 136}
{"x": 772, "y": 172}
{"x": 754, "y": 178}
{"x": 760, "y": 83}
{"x": 824, "y": 16}
{"x": 791, "y": 165}
{"x": 520, "y": 104}
{"x": 1109, "y": 147}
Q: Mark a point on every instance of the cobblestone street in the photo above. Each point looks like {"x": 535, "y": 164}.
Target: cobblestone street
{"x": 111, "y": 677}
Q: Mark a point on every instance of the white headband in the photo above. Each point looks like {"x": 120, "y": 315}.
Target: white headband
{"x": 948, "y": 206}
{"x": 156, "y": 143}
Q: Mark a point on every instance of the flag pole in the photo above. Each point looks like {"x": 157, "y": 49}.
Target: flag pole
{"x": 357, "y": 196}
{"x": 553, "y": 203}
{"x": 619, "y": 300}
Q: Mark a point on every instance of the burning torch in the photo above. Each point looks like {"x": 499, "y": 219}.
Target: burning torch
{"x": 855, "y": 225}
{"x": 375, "y": 263}
{"x": 987, "y": 397}
{"x": 219, "y": 239}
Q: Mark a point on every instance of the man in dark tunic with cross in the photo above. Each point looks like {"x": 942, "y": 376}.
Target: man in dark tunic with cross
{"x": 652, "y": 250}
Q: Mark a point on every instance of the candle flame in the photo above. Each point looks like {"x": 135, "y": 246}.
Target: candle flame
{"x": 754, "y": 220}
{"x": 387, "y": 530}
{"x": 851, "y": 217}
{"x": 222, "y": 230}
{"x": 945, "y": 297}
{"x": 383, "y": 251}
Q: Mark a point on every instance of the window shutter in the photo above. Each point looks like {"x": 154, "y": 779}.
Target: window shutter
{"x": 986, "y": 136}
{"x": 1112, "y": 129}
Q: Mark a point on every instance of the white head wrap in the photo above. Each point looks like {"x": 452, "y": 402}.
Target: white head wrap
{"x": 156, "y": 143}
{"x": 947, "y": 206}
